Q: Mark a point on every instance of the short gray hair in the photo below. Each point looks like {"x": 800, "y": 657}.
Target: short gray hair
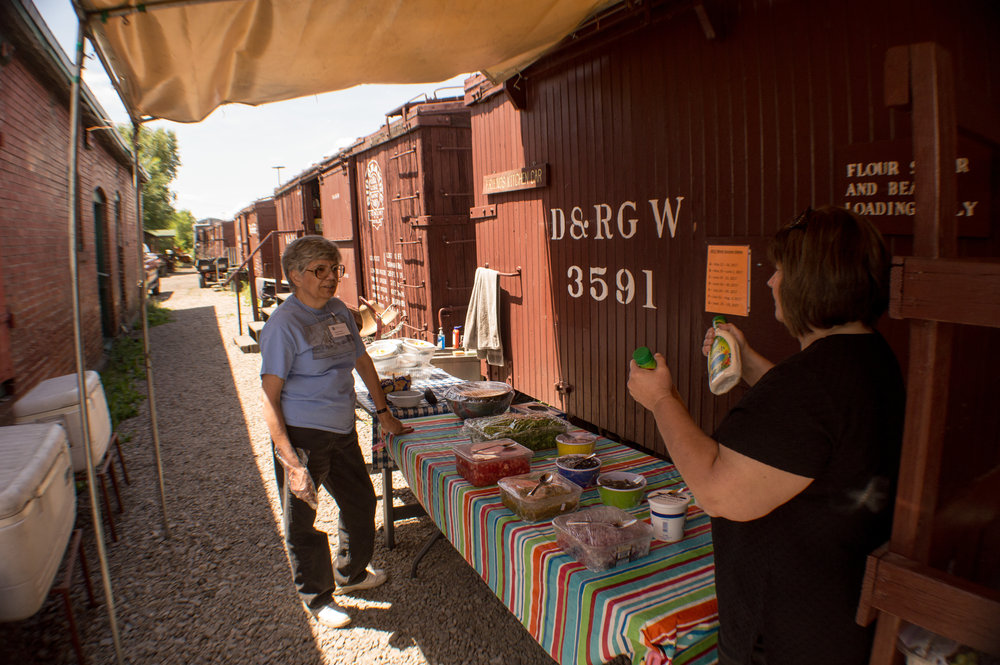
{"x": 302, "y": 251}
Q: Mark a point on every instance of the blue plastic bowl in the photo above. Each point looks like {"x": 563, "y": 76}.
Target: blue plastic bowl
{"x": 582, "y": 477}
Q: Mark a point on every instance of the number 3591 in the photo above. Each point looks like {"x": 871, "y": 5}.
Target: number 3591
{"x": 624, "y": 285}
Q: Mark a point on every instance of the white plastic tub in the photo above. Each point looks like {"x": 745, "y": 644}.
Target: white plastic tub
{"x": 58, "y": 400}
{"x": 37, "y": 509}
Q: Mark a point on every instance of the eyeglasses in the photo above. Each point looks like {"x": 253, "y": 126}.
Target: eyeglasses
{"x": 322, "y": 272}
{"x": 802, "y": 219}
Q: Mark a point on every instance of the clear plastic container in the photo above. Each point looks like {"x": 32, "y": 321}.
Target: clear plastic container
{"x": 485, "y": 463}
{"x": 598, "y": 538}
{"x": 416, "y": 352}
{"x": 552, "y": 498}
{"x": 476, "y": 399}
{"x": 534, "y": 431}
{"x": 385, "y": 355}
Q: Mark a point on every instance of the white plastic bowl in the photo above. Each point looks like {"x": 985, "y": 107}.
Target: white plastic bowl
{"x": 406, "y": 399}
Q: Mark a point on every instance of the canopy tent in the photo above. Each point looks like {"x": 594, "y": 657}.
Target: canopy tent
{"x": 181, "y": 59}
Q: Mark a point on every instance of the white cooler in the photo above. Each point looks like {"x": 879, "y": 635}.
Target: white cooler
{"x": 58, "y": 400}
{"x": 37, "y": 510}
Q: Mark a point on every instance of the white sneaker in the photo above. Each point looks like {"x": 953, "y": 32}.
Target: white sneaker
{"x": 375, "y": 577}
{"x": 330, "y": 616}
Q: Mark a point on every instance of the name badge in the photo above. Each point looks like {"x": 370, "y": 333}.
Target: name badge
{"x": 339, "y": 330}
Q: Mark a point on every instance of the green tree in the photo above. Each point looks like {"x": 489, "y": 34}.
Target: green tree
{"x": 159, "y": 157}
{"x": 183, "y": 222}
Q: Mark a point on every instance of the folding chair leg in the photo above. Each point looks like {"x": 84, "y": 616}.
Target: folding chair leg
{"x": 107, "y": 506}
{"x": 121, "y": 460}
{"x": 75, "y": 549}
{"x": 114, "y": 486}
{"x": 91, "y": 601}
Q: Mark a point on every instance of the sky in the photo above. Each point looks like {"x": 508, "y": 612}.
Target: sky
{"x": 227, "y": 159}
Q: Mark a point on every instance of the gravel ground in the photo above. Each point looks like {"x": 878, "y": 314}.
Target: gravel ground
{"x": 219, "y": 589}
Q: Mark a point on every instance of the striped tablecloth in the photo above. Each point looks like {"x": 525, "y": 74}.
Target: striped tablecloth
{"x": 660, "y": 609}
{"x": 438, "y": 382}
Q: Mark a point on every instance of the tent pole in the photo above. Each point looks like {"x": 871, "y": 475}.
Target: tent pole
{"x": 151, "y": 395}
{"x": 74, "y": 135}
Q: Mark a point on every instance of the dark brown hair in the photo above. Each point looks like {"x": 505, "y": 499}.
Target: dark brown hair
{"x": 835, "y": 270}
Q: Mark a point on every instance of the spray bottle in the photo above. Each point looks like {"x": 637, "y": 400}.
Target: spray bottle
{"x": 724, "y": 364}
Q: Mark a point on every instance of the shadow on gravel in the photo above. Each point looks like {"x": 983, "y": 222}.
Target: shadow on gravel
{"x": 218, "y": 590}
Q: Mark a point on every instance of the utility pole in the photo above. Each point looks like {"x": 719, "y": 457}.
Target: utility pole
{"x": 278, "y": 169}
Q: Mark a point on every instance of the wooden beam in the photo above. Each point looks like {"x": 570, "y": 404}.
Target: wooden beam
{"x": 941, "y": 290}
{"x": 944, "y": 604}
{"x": 935, "y": 143}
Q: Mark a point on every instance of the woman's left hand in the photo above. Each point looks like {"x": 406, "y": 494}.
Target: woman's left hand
{"x": 649, "y": 386}
{"x": 391, "y": 424}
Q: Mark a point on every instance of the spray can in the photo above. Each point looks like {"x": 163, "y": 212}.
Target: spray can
{"x": 724, "y": 364}
{"x": 456, "y": 337}
{"x": 440, "y": 339}
{"x": 644, "y": 358}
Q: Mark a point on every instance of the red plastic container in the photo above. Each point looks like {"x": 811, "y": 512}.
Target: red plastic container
{"x": 487, "y": 462}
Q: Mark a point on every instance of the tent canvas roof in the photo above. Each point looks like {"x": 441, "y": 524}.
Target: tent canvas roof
{"x": 181, "y": 59}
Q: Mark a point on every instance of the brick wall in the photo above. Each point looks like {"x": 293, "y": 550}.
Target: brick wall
{"x": 34, "y": 234}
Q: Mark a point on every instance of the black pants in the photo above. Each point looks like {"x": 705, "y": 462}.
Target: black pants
{"x": 336, "y": 463}
{"x": 756, "y": 655}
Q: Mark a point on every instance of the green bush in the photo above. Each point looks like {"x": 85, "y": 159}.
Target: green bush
{"x": 126, "y": 366}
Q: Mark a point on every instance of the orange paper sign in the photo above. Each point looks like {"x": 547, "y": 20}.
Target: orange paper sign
{"x": 727, "y": 280}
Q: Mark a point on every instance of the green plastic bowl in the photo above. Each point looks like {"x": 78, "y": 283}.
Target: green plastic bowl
{"x": 621, "y": 498}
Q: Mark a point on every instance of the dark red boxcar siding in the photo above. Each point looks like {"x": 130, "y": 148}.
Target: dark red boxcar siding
{"x": 424, "y": 163}
{"x": 744, "y": 128}
{"x": 339, "y": 209}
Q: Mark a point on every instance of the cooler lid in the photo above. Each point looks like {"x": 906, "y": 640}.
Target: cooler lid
{"x": 27, "y": 453}
{"x": 54, "y": 394}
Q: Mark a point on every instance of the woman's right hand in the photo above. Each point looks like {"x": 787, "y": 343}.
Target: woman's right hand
{"x": 301, "y": 485}
{"x": 706, "y": 345}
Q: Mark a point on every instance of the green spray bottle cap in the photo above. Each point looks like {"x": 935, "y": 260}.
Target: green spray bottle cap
{"x": 643, "y": 358}
{"x": 717, "y": 319}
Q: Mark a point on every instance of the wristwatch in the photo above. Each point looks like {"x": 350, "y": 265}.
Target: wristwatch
{"x": 379, "y": 412}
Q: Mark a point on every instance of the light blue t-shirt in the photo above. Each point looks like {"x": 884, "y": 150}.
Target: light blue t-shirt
{"x": 314, "y": 351}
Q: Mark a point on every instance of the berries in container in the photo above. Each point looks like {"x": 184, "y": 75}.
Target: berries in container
{"x": 602, "y": 537}
{"x": 551, "y": 498}
{"x": 581, "y": 469}
{"x": 485, "y": 463}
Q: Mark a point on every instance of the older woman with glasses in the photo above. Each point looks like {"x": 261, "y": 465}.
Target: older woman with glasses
{"x": 309, "y": 349}
{"x": 799, "y": 477}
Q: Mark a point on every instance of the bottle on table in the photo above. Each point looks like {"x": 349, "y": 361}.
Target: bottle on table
{"x": 440, "y": 339}
{"x": 456, "y": 337}
{"x": 725, "y": 366}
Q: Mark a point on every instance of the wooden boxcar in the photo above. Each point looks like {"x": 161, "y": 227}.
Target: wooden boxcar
{"x": 611, "y": 167}
{"x": 297, "y": 208}
{"x": 413, "y": 186}
{"x": 636, "y": 174}
{"x": 339, "y": 210}
{"x": 254, "y": 226}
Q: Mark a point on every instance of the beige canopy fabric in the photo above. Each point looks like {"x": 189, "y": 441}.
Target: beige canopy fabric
{"x": 181, "y": 59}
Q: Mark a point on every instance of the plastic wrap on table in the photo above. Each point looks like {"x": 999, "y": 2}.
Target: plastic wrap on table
{"x": 602, "y": 537}
{"x": 922, "y": 647}
{"x": 533, "y": 431}
{"x": 551, "y": 498}
{"x": 487, "y": 462}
